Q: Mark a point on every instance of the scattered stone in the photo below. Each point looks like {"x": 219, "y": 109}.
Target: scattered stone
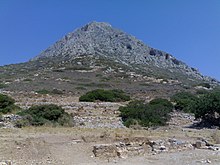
{"x": 213, "y": 148}
{"x": 7, "y": 162}
{"x": 162, "y": 148}
{"x": 76, "y": 141}
{"x": 198, "y": 144}
{"x": 208, "y": 161}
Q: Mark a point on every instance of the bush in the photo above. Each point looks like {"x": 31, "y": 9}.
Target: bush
{"x": 7, "y": 104}
{"x": 5, "y": 101}
{"x": 201, "y": 92}
{"x": 105, "y": 95}
{"x": 54, "y": 91}
{"x": 154, "y": 113}
{"x": 162, "y": 102}
{"x": 207, "y": 107}
{"x": 183, "y": 101}
{"x": 43, "y": 114}
{"x": 43, "y": 91}
{"x": 3, "y": 85}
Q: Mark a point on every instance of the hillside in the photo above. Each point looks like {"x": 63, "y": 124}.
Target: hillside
{"x": 100, "y": 56}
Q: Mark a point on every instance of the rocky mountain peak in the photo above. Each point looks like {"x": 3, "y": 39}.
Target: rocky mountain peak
{"x": 93, "y": 25}
{"x": 100, "y": 38}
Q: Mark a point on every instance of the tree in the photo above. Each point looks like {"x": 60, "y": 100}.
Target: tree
{"x": 207, "y": 107}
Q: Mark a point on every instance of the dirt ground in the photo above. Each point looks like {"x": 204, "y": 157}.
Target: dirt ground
{"x": 73, "y": 146}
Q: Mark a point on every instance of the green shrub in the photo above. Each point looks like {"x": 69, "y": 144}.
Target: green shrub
{"x": 105, "y": 95}
{"x": 183, "y": 101}
{"x": 43, "y": 91}
{"x": 10, "y": 109}
{"x": 153, "y": 113}
{"x": 5, "y": 101}
{"x": 161, "y": 102}
{"x": 207, "y": 107}
{"x": 201, "y": 92}
{"x": 7, "y": 104}
{"x": 54, "y": 91}
{"x": 43, "y": 114}
{"x": 28, "y": 80}
{"x": 3, "y": 85}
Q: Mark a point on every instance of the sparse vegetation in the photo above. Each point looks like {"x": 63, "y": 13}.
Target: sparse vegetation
{"x": 87, "y": 68}
{"x": 44, "y": 114}
{"x": 206, "y": 85}
{"x": 105, "y": 95}
{"x": 80, "y": 88}
{"x": 92, "y": 84}
{"x": 45, "y": 91}
{"x": 153, "y": 113}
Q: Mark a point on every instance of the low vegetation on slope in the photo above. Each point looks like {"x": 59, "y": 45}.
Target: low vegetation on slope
{"x": 44, "y": 114}
{"x": 105, "y": 95}
{"x": 154, "y": 113}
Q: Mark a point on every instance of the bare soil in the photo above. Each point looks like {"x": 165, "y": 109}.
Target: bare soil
{"x": 73, "y": 146}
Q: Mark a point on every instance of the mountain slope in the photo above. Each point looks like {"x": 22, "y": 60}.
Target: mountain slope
{"x": 98, "y": 38}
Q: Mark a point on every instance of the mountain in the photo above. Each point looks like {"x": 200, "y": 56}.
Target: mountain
{"x": 100, "y": 56}
{"x": 99, "y": 38}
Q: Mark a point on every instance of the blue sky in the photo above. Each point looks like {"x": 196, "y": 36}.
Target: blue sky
{"x": 188, "y": 29}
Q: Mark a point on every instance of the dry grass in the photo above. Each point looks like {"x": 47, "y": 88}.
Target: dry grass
{"x": 216, "y": 136}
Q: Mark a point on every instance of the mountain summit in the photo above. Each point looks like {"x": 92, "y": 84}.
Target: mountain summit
{"x": 99, "y": 38}
{"x": 102, "y": 39}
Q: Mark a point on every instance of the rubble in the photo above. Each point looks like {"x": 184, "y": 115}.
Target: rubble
{"x": 139, "y": 146}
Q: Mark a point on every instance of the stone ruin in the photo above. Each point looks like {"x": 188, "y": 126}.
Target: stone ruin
{"x": 141, "y": 146}
{"x": 123, "y": 149}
